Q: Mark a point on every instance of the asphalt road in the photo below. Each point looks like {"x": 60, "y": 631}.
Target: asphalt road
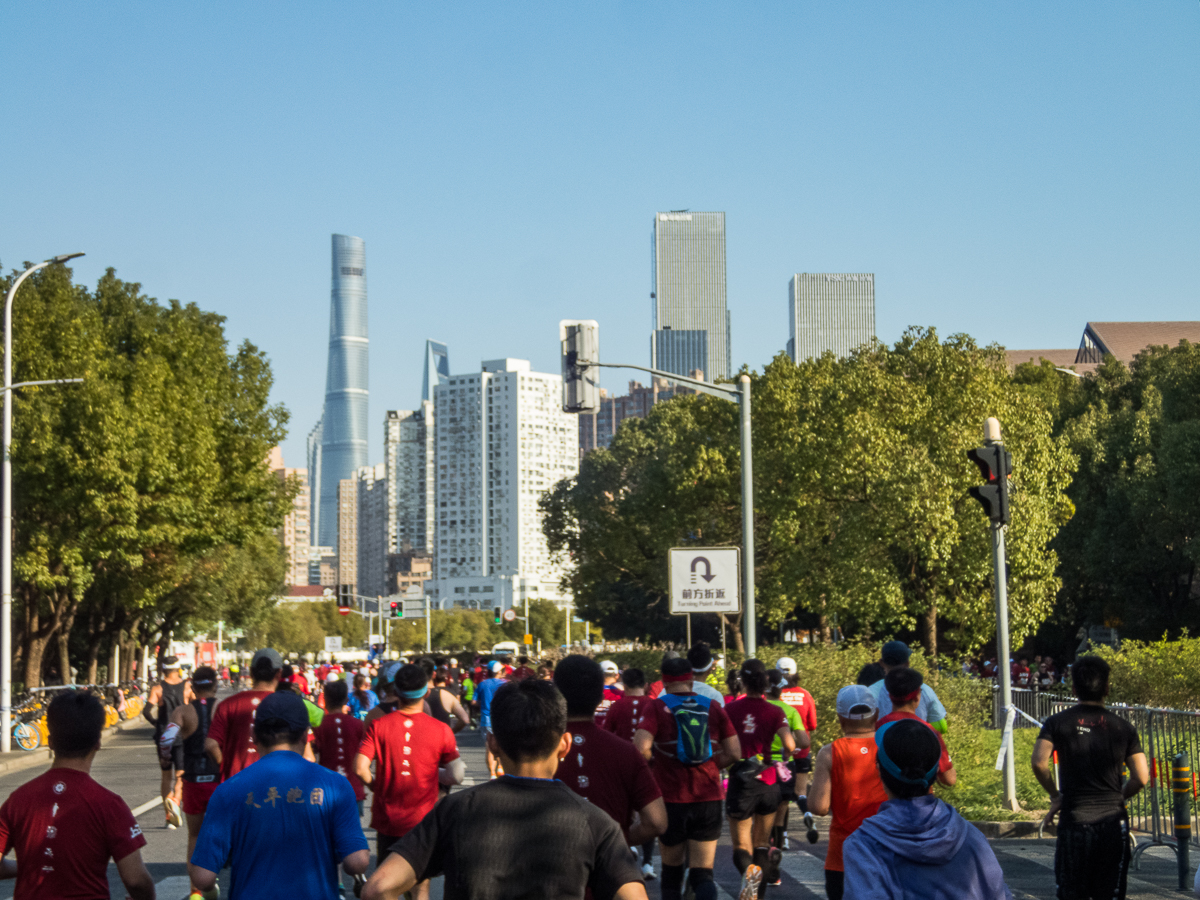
{"x": 128, "y": 765}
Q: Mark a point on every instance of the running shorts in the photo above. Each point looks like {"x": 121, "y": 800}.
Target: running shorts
{"x": 196, "y": 796}
{"x": 699, "y": 821}
{"x": 803, "y": 765}
{"x": 384, "y": 844}
{"x": 175, "y": 761}
{"x": 787, "y": 789}
{"x": 746, "y": 798}
{"x": 1092, "y": 860}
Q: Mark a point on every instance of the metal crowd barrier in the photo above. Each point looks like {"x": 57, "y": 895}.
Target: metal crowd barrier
{"x": 1035, "y": 704}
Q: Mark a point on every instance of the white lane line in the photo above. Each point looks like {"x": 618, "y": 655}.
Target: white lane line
{"x": 805, "y": 869}
{"x": 177, "y": 887}
{"x": 147, "y": 806}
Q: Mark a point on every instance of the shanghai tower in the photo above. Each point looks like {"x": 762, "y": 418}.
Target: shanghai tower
{"x": 344, "y": 420}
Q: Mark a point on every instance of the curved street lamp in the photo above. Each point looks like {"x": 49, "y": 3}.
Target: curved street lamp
{"x": 6, "y": 511}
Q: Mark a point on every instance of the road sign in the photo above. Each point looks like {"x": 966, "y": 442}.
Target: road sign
{"x": 510, "y": 615}
{"x": 414, "y": 608}
{"x": 529, "y": 639}
{"x": 344, "y": 610}
{"x": 375, "y": 639}
{"x": 332, "y": 644}
{"x": 705, "y": 580}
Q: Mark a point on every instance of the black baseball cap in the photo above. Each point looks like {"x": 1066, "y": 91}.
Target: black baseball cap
{"x": 895, "y": 653}
{"x": 284, "y": 705}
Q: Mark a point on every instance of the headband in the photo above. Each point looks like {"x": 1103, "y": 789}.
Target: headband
{"x": 894, "y": 770}
{"x": 173, "y": 665}
{"x": 677, "y": 679}
{"x": 416, "y": 694}
{"x": 906, "y": 698}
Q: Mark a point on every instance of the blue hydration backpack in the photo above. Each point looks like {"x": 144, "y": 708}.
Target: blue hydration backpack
{"x": 693, "y": 745}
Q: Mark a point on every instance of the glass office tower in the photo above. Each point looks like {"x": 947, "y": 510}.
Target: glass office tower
{"x": 344, "y": 422}
{"x": 687, "y": 294}
{"x": 829, "y": 313}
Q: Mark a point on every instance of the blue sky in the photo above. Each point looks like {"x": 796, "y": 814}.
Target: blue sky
{"x": 1010, "y": 171}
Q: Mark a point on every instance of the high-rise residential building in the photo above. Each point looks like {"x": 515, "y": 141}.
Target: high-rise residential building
{"x": 410, "y": 465}
{"x": 687, "y": 294}
{"x": 344, "y": 418}
{"x": 829, "y": 312}
{"x": 371, "y": 513}
{"x": 437, "y": 368}
{"x": 347, "y": 533}
{"x": 503, "y": 441}
{"x": 293, "y": 533}
{"x": 322, "y": 566}
{"x": 598, "y": 429}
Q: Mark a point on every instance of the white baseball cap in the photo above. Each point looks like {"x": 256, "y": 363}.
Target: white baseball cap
{"x": 856, "y": 701}
{"x": 608, "y": 667}
{"x": 786, "y": 664}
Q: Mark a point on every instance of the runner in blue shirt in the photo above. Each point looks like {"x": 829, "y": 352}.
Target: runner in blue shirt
{"x": 283, "y": 824}
{"x": 484, "y": 694}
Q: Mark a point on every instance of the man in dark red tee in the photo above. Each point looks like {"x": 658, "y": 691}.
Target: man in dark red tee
{"x": 413, "y": 754}
{"x": 601, "y": 767}
{"x": 624, "y": 715}
{"x": 64, "y": 826}
{"x": 904, "y": 687}
{"x": 337, "y": 739}
{"x": 231, "y": 735}
{"x": 692, "y": 793}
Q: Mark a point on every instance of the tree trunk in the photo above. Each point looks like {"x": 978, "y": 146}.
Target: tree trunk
{"x": 927, "y": 626}
{"x": 96, "y": 632}
{"x": 36, "y": 636}
{"x": 735, "y": 632}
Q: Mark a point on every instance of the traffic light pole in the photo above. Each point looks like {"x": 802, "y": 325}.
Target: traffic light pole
{"x": 1005, "y": 670}
{"x": 741, "y": 396}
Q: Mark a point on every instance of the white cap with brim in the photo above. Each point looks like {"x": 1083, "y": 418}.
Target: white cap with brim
{"x": 855, "y": 701}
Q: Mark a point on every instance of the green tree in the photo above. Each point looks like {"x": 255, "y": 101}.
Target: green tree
{"x": 123, "y": 482}
{"x": 861, "y": 511}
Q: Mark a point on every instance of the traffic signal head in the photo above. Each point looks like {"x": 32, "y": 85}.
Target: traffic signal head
{"x": 581, "y": 381}
{"x": 397, "y": 610}
{"x": 995, "y": 464}
{"x": 496, "y": 610}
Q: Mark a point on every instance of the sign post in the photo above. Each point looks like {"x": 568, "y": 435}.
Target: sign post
{"x": 705, "y": 580}
{"x": 333, "y": 644}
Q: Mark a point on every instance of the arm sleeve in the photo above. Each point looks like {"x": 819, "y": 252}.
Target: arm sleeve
{"x": 867, "y": 876}
{"x": 1135, "y": 743}
{"x": 650, "y": 718}
{"x": 420, "y": 846}
{"x": 212, "y": 844}
{"x": 347, "y": 831}
{"x": 449, "y": 746}
{"x": 810, "y": 714}
{"x": 937, "y": 712}
{"x": 367, "y": 747}
{"x": 6, "y": 832}
{"x": 613, "y": 864}
{"x": 124, "y": 833}
{"x": 1047, "y": 733}
{"x": 645, "y": 788}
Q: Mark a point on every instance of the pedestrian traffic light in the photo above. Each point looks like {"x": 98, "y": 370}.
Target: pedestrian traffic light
{"x": 496, "y": 610}
{"x": 580, "y": 349}
{"x": 397, "y": 610}
{"x": 995, "y": 464}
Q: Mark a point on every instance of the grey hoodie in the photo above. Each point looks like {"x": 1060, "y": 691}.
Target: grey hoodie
{"x": 923, "y": 849}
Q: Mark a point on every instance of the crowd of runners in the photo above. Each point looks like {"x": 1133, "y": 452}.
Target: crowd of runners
{"x": 590, "y": 770}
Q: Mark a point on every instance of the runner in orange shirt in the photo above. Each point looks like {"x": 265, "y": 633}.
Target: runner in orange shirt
{"x": 846, "y": 780}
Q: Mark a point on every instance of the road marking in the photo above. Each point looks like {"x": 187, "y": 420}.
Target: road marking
{"x": 174, "y": 888}
{"x": 805, "y": 869}
{"x": 147, "y": 806}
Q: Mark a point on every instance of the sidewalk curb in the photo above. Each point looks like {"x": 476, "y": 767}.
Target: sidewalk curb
{"x": 16, "y": 760}
{"x": 997, "y": 830}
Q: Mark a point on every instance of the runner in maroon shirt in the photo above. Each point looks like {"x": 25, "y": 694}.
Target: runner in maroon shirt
{"x": 336, "y": 740}
{"x": 692, "y": 793}
{"x": 230, "y": 738}
{"x": 64, "y": 826}
{"x": 603, "y": 768}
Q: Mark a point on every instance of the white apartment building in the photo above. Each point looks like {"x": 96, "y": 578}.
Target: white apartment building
{"x": 294, "y": 533}
{"x": 503, "y": 441}
{"x": 411, "y": 468}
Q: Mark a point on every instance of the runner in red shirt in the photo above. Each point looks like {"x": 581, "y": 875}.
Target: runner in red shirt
{"x": 413, "y": 754}
{"x": 64, "y": 826}
{"x": 603, "y": 768}
{"x": 335, "y": 744}
{"x": 657, "y": 687}
{"x": 802, "y": 764}
{"x": 624, "y": 715}
{"x": 904, "y": 687}
{"x": 754, "y": 792}
{"x": 613, "y": 690}
{"x": 692, "y": 792}
{"x": 231, "y": 735}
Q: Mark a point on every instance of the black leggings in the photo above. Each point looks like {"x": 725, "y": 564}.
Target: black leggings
{"x": 835, "y": 884}
{"x": 648, "y": 850}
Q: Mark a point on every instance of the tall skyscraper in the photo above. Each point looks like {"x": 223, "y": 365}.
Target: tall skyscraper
{"x": 687, "y": 294}
{"x": 503, "y": 441}
{"x": 344, "y": 419}
{"x": 437, "y": 368}
{"x": 828, "y": 312}
{"x": 347, "y": 533}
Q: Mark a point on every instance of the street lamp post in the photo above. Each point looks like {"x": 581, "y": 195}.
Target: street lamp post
{"x": 6, "y": 510}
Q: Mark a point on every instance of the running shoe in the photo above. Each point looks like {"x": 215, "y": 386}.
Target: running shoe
{"x": 359, "y": 882}
{"x": 811, "y": 827}
{"x": 648, "y": 872}
{"x": 174, "y": 814}
{"x": 751, "y": 880}
{"x": 214, "y": 893}
{"x": 768, "y": 859}
{"x": 787, "y": 844}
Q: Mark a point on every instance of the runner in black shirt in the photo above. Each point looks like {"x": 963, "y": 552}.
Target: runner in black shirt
{"x": 1091, "y": 858}
{"x": 523, "y": 834}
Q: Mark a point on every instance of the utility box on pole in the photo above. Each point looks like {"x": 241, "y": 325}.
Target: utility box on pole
{"x": 580, "y": 348}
